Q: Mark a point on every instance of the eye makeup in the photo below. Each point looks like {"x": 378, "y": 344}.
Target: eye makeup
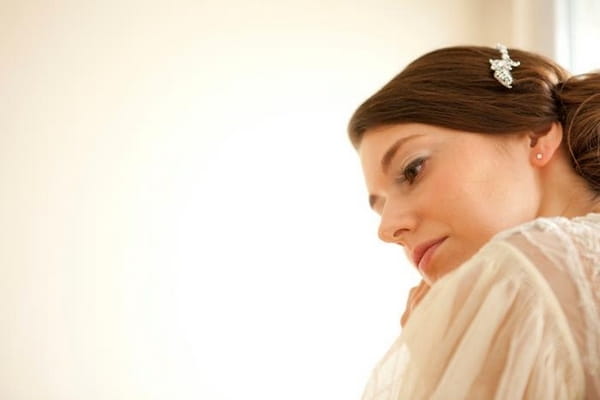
{"x": 411, "y": 172}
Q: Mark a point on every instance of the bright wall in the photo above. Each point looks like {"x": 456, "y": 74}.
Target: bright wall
{"x": 181, "y": 214}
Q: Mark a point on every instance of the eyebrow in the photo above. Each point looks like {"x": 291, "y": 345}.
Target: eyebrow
{"x": 387, "y": 159}
{"x": 391, "y": 152}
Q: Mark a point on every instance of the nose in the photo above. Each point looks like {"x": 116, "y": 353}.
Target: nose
{"x": 396, "y": 222}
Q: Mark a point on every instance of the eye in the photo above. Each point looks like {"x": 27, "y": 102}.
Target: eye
{"x": 411, "y": 171}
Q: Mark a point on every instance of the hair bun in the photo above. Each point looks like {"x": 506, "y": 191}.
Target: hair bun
{"x": 579, "y": 99}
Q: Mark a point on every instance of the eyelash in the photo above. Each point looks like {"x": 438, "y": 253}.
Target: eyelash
{"x": 408, "y": 174}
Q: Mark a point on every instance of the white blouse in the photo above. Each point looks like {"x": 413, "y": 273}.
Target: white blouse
{"x": 519, "y": 320}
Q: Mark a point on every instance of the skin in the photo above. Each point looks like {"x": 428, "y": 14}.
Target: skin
{"x": 469, "y": 187}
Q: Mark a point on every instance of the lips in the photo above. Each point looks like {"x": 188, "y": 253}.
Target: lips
{"x": 423, "y": 250}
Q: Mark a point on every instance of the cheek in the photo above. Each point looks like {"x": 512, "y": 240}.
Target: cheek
{"x": 477, "y": 196}
{"x": 466, "y": 197}
{"x": 451, "y": 190}
{"x": 490, "y": 197}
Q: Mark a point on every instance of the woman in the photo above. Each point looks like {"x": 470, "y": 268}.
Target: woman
{"x": 484, "y": 164}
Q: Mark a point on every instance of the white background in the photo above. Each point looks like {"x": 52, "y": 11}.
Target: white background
{"x": 181, "y": 213}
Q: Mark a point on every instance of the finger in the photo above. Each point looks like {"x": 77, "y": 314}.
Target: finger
{"x": 409, "y": 303}
{"x": 415, "y": 296}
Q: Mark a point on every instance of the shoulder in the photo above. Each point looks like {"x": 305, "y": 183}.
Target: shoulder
{"x": 488, "y": 324}
{"x": 536, "y": 258}
{"x": 571, "y": 245}
{"x": 580, "y": 233}
{"x": 535, "y": 248}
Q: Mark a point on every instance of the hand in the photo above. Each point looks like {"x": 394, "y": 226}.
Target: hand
{"x": 415, "y": 295}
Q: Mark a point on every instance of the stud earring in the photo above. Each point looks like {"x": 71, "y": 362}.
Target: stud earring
{"x": 538, "y": 156}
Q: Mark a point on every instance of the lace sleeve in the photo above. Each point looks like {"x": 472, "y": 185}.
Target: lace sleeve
{"x": 567, "y": 254}
{"x": 492, "y": 329}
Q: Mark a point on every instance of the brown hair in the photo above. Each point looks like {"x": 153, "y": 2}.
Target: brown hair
{"x": 454, "y": 88}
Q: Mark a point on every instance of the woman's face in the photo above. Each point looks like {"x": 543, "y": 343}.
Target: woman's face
{"x": 442, "y": 193}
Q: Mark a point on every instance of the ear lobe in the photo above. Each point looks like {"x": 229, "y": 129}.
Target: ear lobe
{"x": 545, "y": 141}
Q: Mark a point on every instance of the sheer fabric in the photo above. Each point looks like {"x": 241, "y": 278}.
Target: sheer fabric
{"x": 519, "y": 320}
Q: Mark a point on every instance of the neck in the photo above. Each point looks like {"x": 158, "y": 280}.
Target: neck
{"x": 565, "y": 192}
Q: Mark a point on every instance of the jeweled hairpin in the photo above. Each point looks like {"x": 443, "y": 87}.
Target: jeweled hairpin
{"x": 503, "y": 66}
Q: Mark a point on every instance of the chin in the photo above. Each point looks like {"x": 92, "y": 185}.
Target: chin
{"x": 441, "y": 268}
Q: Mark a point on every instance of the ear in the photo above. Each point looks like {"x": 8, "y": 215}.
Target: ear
{"x": 545, "y": 143}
